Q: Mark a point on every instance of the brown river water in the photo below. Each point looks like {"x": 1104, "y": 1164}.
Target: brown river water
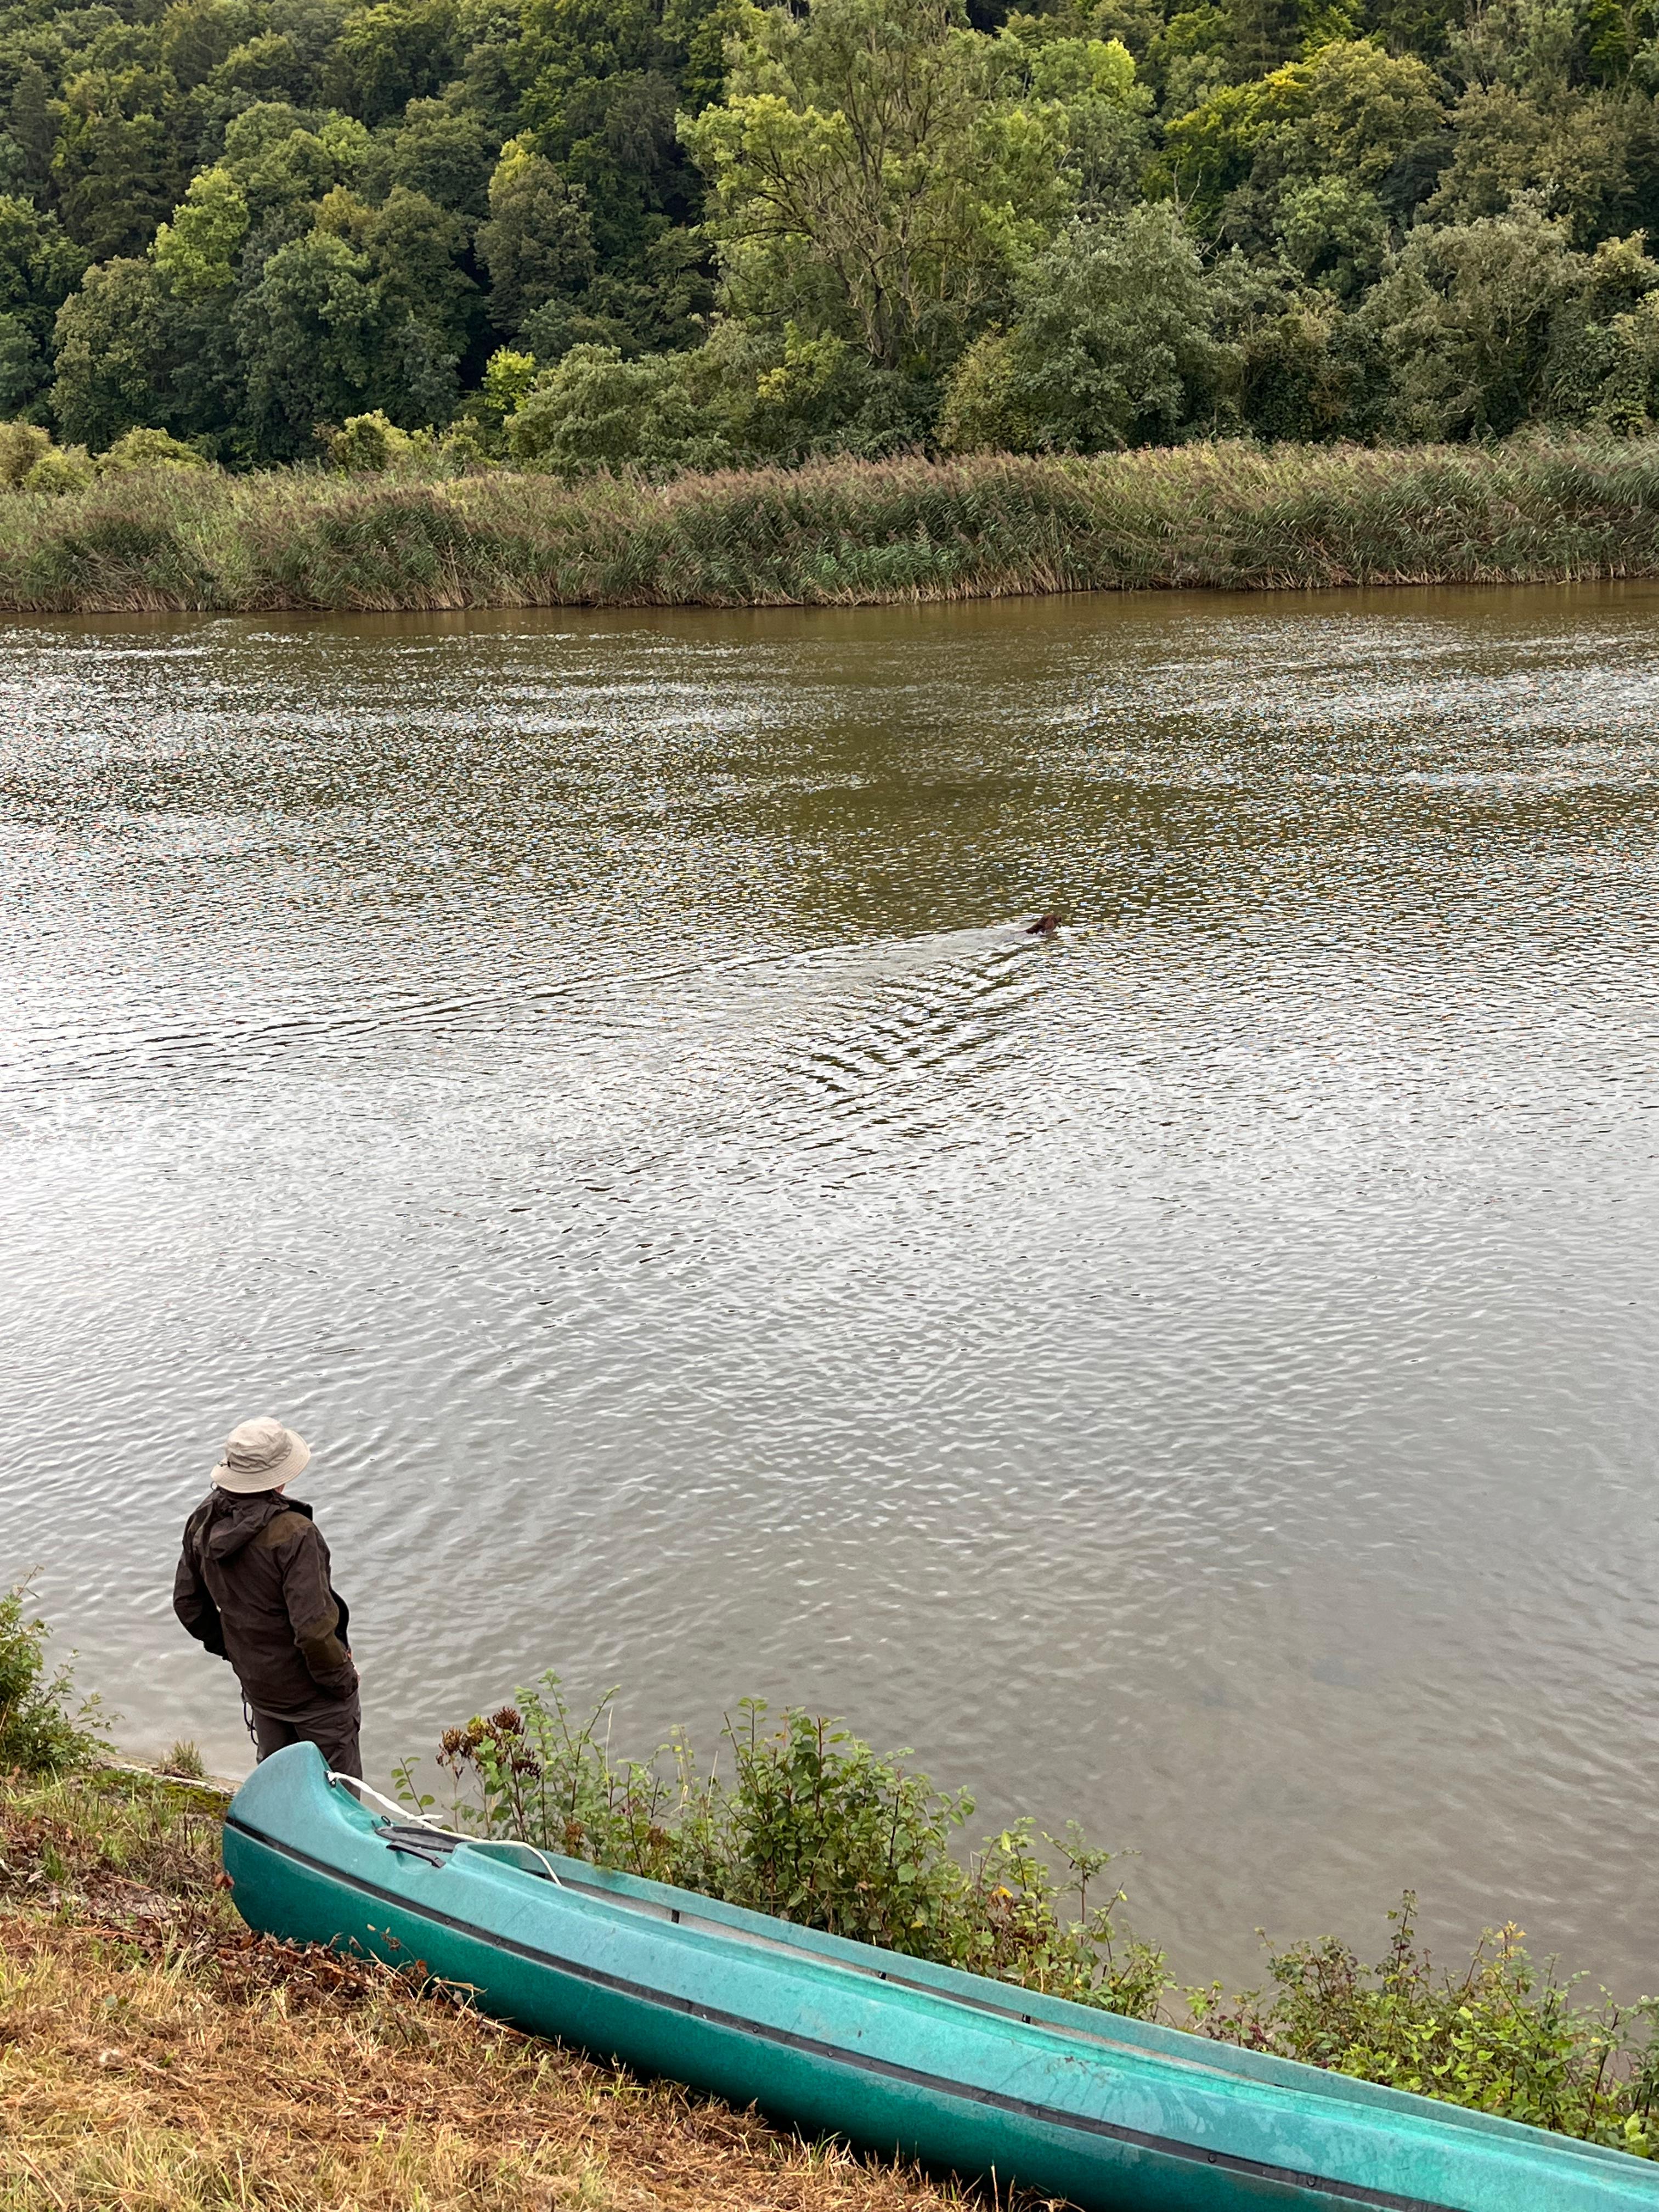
{"x": 1200, "y": 1374}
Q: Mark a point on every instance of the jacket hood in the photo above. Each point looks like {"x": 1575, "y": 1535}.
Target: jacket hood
{"x": 232, "y": 1522}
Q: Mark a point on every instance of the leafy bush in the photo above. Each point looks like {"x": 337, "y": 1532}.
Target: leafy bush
{"x": 1502, "y": 2037}
{"x": 1466, "y": 315}
{"x": 149, "y": 449}
{"x": 21, "y": 445}
{"x": 596, "y": 410}
{"x": 369, "y": 445}
{"x": 1112, "y": 346}
{"x": 39, "y": 1734}
{"x": 61, "y": 468}
{"x": 813, "y": 1826}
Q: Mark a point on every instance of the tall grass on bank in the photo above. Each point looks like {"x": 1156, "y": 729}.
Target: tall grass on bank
{"x": 840, "y": 532}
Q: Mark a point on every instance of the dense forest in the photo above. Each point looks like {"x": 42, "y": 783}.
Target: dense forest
{"x": 691, "y": 233}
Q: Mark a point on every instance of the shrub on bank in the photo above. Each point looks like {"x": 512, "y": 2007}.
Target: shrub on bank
{"x": 30, "y": 462}
{"x": 21, "y": 445}
{"x": 1501, "y": 2035}
{"x": 813, "y": 1826}
{"x": 38, "y": 1733}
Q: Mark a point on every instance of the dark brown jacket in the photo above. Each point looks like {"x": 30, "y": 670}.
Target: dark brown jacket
{"x": 252, "y": 1585}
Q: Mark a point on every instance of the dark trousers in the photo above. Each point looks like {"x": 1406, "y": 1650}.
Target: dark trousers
{"x": 332, "y": 1723}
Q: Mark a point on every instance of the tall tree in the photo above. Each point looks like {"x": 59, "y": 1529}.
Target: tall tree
{"x": 862, "y": 167}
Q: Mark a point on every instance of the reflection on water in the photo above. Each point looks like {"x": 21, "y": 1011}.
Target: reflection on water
{"x": 587, "y": 1073}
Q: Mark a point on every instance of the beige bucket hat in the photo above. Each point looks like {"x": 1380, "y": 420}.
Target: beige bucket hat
{"x": 259, "y": 1455}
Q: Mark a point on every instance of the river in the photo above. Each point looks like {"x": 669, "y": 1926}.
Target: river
{"x": 585, "y": 1071}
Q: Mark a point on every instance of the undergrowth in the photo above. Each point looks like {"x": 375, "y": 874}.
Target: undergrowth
{"x": 1500, "y": 2035}
{"x": 39, "y": 1731}
{"x": 812, "y": 1824}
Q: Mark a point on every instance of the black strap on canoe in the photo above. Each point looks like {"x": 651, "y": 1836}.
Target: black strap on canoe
{"x": 431, "y": 1844}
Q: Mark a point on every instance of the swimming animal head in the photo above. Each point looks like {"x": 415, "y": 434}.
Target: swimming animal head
{"x": 1044, "y": 926}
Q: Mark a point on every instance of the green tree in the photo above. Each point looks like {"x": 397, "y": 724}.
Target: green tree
{"x": 321, "y": 342}
{"x": 1112, "y": 346}
{"x": 1464, "y": 315}
{"x": 1574, "y": 148}
{"x": 863, "y": 180}
{"x": 284, "y": 163}
{"x": 1334, "y": 232}
{"x": 265, "y": 68}
{"x": 1089, "y": 92}
{"x": 391, "y": 53}
{"x": 196, "y": 252}
{"x": 444, "y": 150}
{"x": 1350, "y": 112}
{"x": 113, "y": 348}
{"x": 118, "y": 166}
{"x": 537, "y": 242}
{"x": 38, "y": 269}
{"x": 196, "y": 35}
{"x": 414, "y": 247}
{"x": 31, "y": 125}
{"x": 602, "y": 100}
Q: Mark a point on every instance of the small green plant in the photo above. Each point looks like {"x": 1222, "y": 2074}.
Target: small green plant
{"x": 369, "y": 445}
{"x": 1502, "y": 2036}
{"x": 185, "y": 1761}
{"x": 38, "y": 1733}
{"x": 813, "y": 1826}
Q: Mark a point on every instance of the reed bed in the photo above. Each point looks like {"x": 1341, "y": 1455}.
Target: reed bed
{"x": 1232, "y": 516}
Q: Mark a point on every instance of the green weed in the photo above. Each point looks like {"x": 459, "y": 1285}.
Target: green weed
{"x": 1502, "y": 2036}
{"x": 39, "y": 1732}
{"x": 812, "y": 1825}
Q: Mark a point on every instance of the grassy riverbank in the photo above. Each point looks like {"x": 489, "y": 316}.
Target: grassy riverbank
{"x": 154, "y": 2054}
{"x": 846, "y": 533}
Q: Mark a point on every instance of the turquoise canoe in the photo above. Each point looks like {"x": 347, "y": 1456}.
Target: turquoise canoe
{"x": 903, "y": 2057}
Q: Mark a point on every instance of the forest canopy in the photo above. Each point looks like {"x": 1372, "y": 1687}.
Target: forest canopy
{"x": 692, "y": 232}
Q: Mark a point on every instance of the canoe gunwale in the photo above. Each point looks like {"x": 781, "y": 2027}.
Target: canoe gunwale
{"x": 1347, "y": 2192}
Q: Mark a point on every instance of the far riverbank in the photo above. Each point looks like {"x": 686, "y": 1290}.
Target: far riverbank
{"x": 1230, "y": 516}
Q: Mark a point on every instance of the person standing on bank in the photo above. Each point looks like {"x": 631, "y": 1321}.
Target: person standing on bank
{"x": 252, "y": 1586}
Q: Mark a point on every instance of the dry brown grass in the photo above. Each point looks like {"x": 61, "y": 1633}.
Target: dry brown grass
{"x": 154, "y": 2057}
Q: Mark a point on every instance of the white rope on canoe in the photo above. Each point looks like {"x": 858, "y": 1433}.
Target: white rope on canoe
{"x": 404, "y": 1813}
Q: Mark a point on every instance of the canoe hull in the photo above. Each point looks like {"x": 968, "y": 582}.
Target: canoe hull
{"x": 1113, "y": 2116}
{"x": 900, "y": 2114}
